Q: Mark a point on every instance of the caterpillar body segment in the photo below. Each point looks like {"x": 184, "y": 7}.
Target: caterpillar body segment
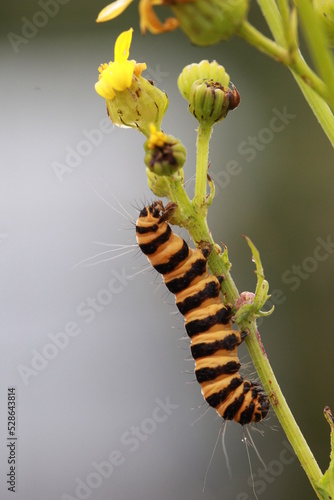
{"x": 207, "y": 321}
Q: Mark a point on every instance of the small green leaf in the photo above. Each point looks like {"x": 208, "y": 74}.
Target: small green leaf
{"x": 211, "y": 195}
{"x": 326, "y": 484}
{"x": 225, "y": 260}
{"x": 262, "y": 286}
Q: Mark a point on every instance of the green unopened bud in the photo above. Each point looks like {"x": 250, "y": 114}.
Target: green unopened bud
{"x": 205, "y": 86}
{"x": 210, "y": 101}
{"x": 165, "y": 154}
{"x": 204, "y": 70}
{"x": 206, "y": 23}
{"x": 160, "y": 184}
{"x": 325, "y": 11}
{"x": 138, "y": 106}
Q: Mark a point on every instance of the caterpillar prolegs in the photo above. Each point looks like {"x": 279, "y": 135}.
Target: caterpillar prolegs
{"x": 207, "y": 321}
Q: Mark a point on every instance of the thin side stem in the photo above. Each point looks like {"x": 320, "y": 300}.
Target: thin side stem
{"x": 293, "y": 60}
{"x": 254, "y": 37}
{"x": 274, "y": 20}
{"x": 316, "y": 103}
{"x": 283, "y": 6}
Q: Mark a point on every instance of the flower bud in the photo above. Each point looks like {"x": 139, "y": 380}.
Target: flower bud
{"x": 206, "y": 23}
{"x": 205, "y": 86}
{"x": 201, "y": 71}
{"x": 210, "y": 101}
{"x": 325, "y": 11}
{"x": 165, "y": 154}
{"x": 138, "y": 106}
{"x": 245, "y": 298}
{"x": 160, "y": 184}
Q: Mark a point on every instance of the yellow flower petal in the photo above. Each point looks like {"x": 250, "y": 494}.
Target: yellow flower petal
{"x": 157, "y": 138}
{"x": 113, "y": 10}
{"x": 103, "y": 90}
{"x": 122, "y": 45}
{"x": 119, "y": 75}
{"x": 139, "y": 68}
{"x": 150, "y": 21}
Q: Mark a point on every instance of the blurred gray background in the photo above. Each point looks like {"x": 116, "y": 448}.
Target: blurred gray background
{"x": 94, "y": 367}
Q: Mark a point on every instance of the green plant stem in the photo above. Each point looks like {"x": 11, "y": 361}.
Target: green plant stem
{"x": 192, "y": 218}
{"x": 199, "y": 231}
{"x": 203, "y": 139}
{"x": 274, "y": 20}
{"x": 281, "y": 407}
{"x": 254, "y": 37}
{"x": 284, "y": 10}
{"x": 293, "y": 60}
{"x": 318, "y": 105}
{"x": 317, "y": 43}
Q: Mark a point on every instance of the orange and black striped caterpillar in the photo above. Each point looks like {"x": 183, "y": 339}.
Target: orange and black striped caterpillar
{"x": 207, "y": 321}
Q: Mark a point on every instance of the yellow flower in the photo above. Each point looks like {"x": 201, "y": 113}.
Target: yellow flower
{"x": 132, "y": 101}
{"x": 118, "y": 75}
{"x": 148, "y": 19}
{"x": 157, "y": 138}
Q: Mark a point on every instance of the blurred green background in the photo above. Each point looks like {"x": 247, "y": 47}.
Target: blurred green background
{"x": 75, "y": 408}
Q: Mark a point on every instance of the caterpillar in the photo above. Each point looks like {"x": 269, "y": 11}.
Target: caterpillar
{"x": 207, "y": 320}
